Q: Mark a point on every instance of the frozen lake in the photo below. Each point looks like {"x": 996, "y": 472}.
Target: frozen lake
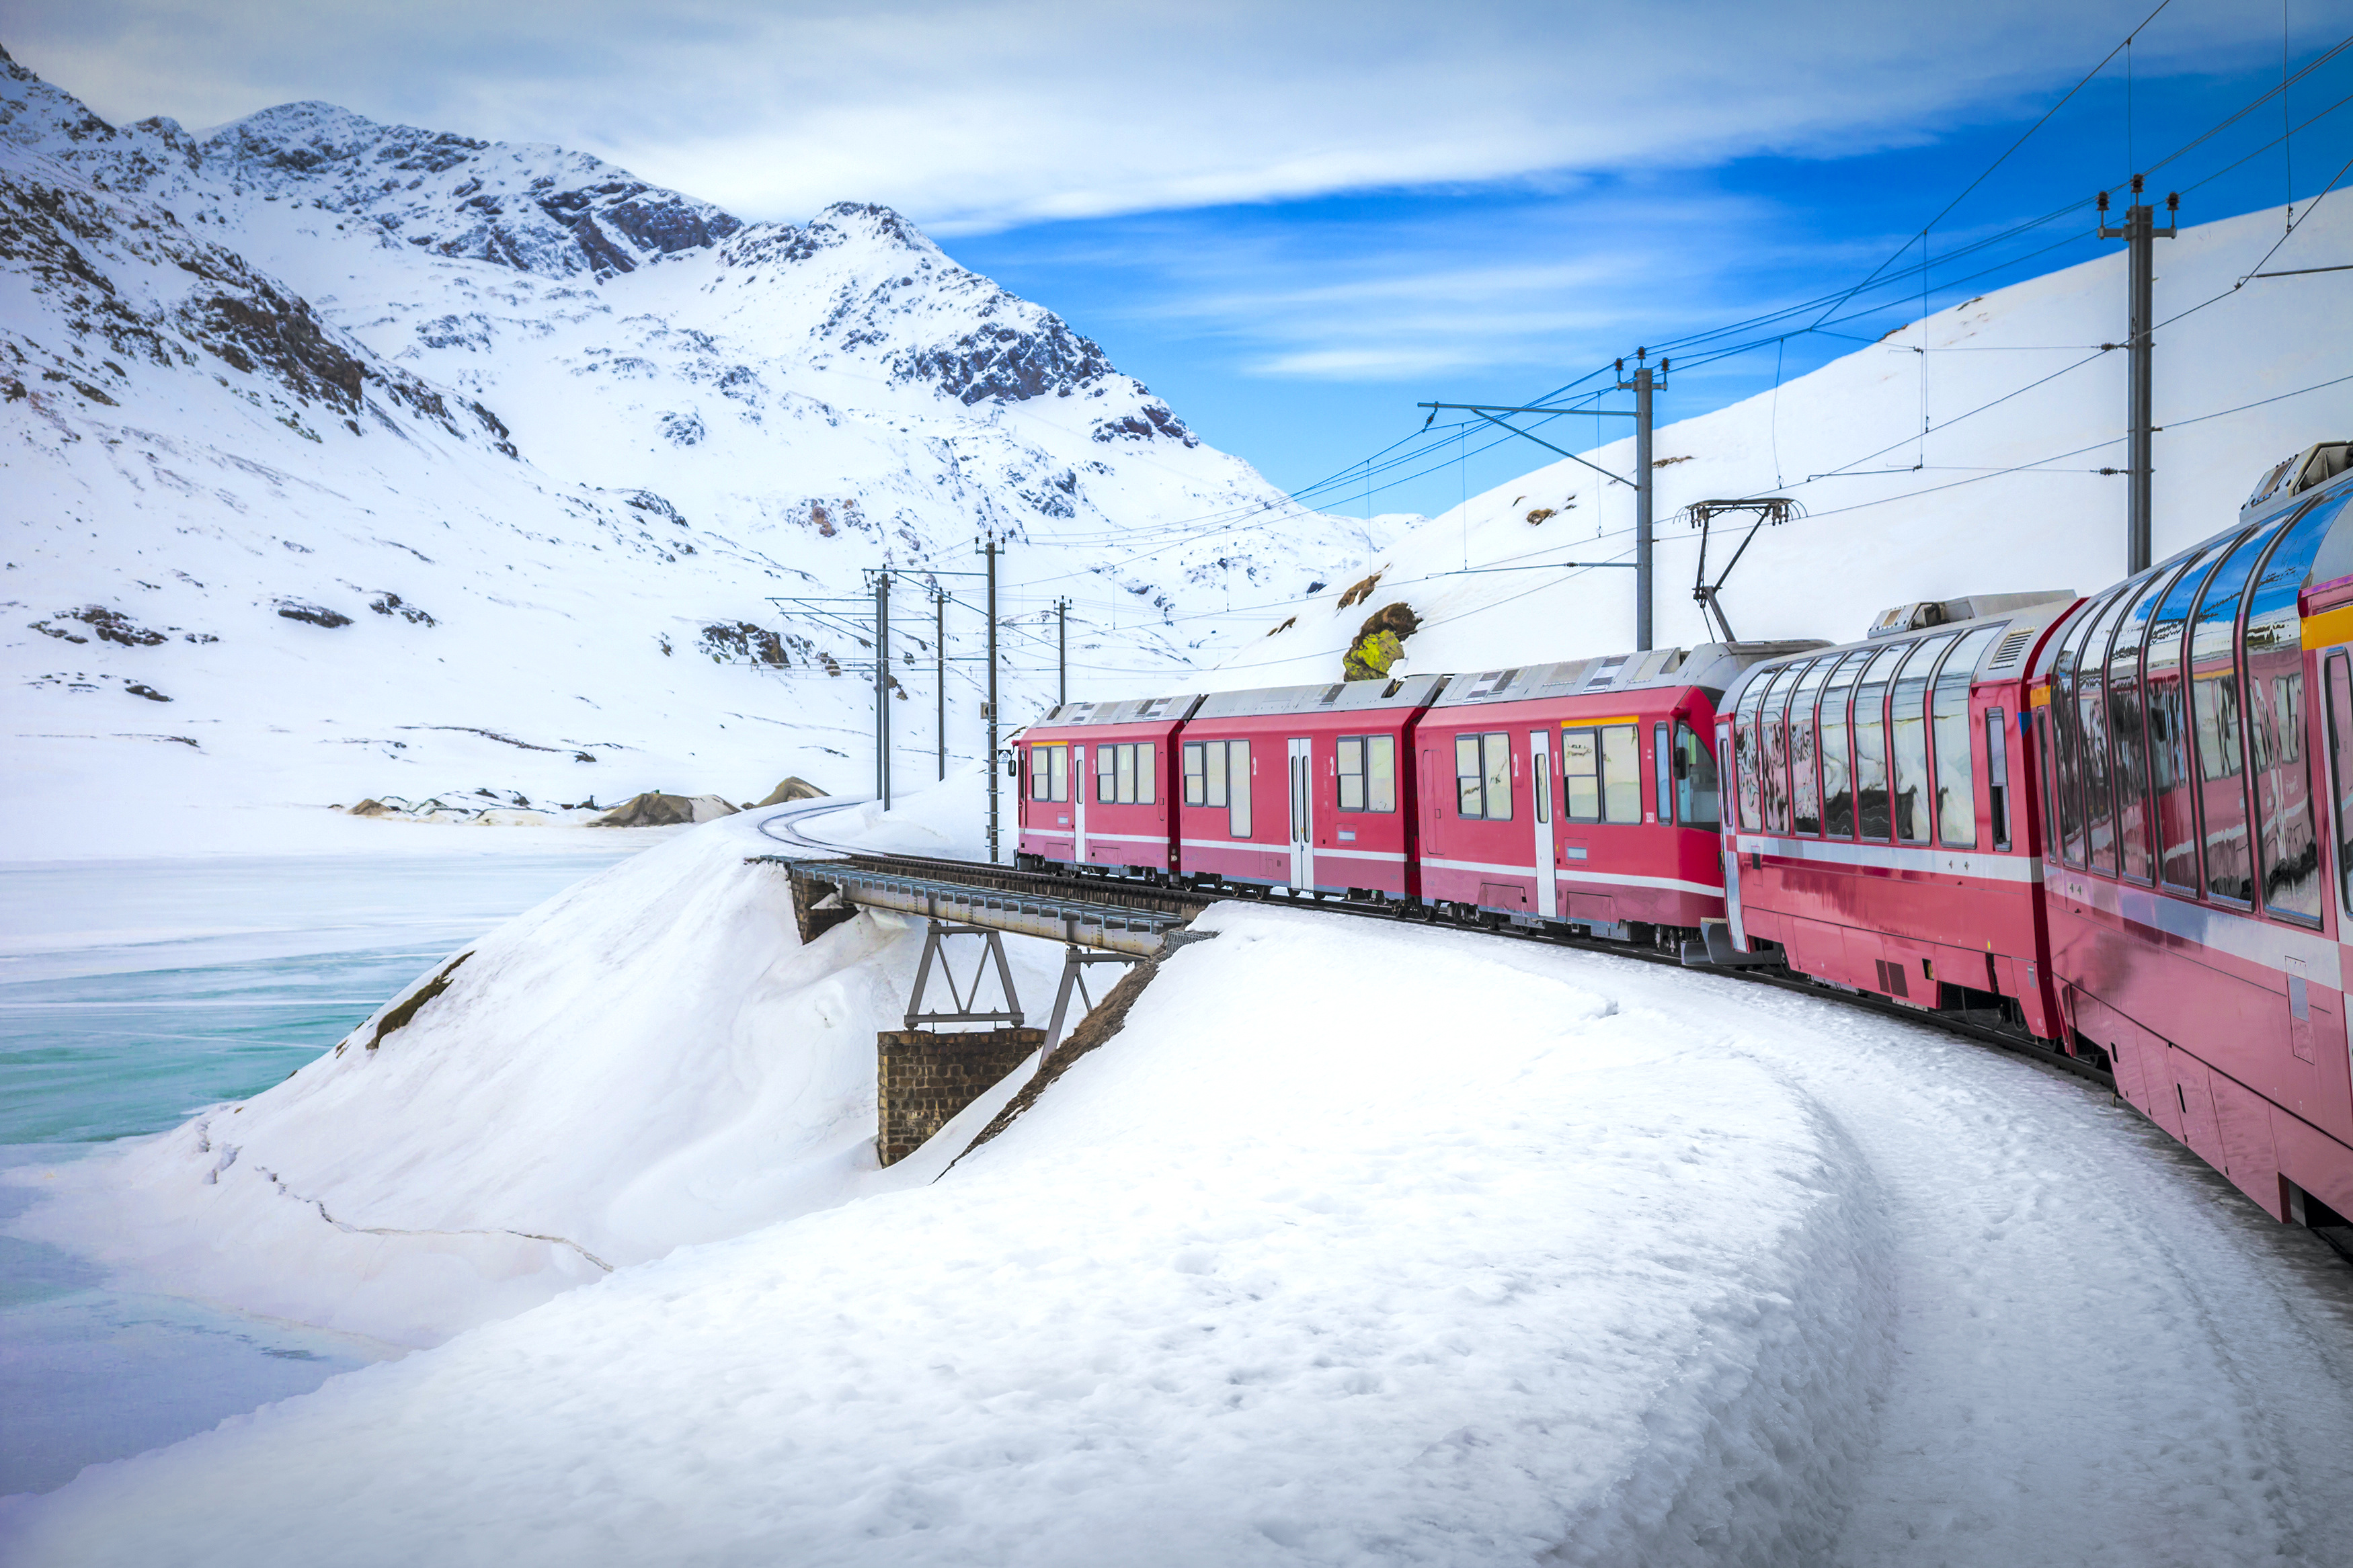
{"x": 133, "y": 992}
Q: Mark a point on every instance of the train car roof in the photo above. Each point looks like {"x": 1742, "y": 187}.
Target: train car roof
{"x": 1339, "y": 696}
{"x": 1126, "y": 710}
{"x": 2003, "y": 658}
{"x": 1711, "y": 667}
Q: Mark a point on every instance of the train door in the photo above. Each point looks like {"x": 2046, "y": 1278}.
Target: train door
{"x": 1540, "y": 783}
{"x": 1727, "y": 853}
{"x": 1082, "y": 786}
{"x": 1303, "y": 801}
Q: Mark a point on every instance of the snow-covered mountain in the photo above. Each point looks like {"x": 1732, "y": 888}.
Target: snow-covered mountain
{"x": 345, "y": 460}
{"x": 2004, "y": 492}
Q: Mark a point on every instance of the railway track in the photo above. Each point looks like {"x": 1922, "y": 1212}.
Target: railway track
{"x": 786, "y": 830}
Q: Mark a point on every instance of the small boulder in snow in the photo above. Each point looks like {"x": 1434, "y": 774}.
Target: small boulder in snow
{"x": 794, "y": 788}
{"x": 657, "y": 809}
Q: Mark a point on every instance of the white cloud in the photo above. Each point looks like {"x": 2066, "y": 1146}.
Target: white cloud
{"x": 976, "y": 116}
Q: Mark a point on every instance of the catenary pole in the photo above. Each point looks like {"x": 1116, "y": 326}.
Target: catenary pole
{"x": 882, "y": 686}
{"x": 990, "y": 550}
{"x": 940, "y": 684}
{"x": 1642, "y": 387}
{"x": 1062, "y": 652}
{"x": 2140, "y": 234}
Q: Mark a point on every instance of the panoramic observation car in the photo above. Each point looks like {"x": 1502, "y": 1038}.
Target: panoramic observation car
{"x": 1581, "y": 794}
{"x": 1097, "y": 786}
{"x": 1304, "y": 787}
{"x": 1877, "y": 839}
{"x": 2194, "y": 732}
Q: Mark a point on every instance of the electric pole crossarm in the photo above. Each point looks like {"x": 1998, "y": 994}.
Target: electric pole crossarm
{"x": 1500, "y": 408}
{"x": 1545, "y": 445}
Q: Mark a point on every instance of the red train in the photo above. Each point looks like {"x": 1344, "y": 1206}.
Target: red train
{"x": 1580, "y": 796}
{"x": 2119, "y": 825}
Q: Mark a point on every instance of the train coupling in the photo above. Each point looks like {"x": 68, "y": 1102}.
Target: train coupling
{"x": 1713, "y": 948}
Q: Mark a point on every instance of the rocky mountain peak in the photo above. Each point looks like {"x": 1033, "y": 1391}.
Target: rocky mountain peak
{"x": 532, "y": 206}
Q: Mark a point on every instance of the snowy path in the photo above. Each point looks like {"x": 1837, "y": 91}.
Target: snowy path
{"x": 1371, "y": 1244}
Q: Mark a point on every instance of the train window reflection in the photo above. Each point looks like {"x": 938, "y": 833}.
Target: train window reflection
{"x": 2128, "y": 731}
{"x": 1957, "y": 806}
{"x": 2091, "y": 714}
{"x": 1805, "y": 787}
{"x": 1838, "y": 756}
{"x": 1773, "y": 720}
{"x": 2171, "y": 781}
{"x": 1871, "y": 741}
{"x": 2286, "y": 837}
{"x": 1908, "y": 739}
{"x": 2214, "y": 700}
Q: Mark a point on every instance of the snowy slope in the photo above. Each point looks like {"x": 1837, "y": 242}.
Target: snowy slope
{"x": 1884, "y": 532}
{"x": 705, "y": 1076}
{"x": 1634, "y": 1267}
{"x": 345, "y": 460}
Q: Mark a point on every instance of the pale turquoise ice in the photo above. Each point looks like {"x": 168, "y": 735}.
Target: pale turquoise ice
{"x": 135, "y": 992}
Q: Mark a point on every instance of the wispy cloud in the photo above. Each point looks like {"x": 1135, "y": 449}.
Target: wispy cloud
{"x": 977, "y": 116}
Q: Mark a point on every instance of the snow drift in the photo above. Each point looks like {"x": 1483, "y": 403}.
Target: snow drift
{"x": 1446, "y": 1258}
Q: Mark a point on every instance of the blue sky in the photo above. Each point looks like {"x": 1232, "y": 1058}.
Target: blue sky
{"x": 1295, "y": 221}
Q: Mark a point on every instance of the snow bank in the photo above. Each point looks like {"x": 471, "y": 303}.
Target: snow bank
{"x": 1444, "y": 1258}
{"x": 648, "y": 1058}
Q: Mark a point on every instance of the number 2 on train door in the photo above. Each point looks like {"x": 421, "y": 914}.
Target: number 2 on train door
{"x": 1302, "y": 796}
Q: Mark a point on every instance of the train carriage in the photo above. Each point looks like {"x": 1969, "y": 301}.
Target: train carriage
{"x": 1098, "y": 785}
{"x": 2195, "y": 738}
{"x": 1581, "y": 794}
{"x": 1304, "y": 787}
{"x": 1880, "y": 839}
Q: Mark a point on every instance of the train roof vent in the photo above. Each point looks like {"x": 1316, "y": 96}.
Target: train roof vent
{"x": 1331, "y": 694}
{"x": 1606, "y": 672}
{"x": 2013, "y": 649}
{"x": 1155, "y": 708}
{"x": 1490, "y": 682}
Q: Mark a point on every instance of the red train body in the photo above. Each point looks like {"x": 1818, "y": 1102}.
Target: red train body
{"x": 2121, "y": 825}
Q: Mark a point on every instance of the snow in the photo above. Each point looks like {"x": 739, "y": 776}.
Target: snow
{"x": 553, "y": 518}
{"x": 660, "y": 1059}
{"x": 1472, "y": 1252}
{"x": 1880, "y": 534}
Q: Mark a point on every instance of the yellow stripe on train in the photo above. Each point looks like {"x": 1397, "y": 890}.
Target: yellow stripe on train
{"x": 2329, "y": 627}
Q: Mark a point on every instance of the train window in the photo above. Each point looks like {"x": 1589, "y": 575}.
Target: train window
{"x": 1622, "y": 773}
{"x": 1197, "y": 785}
{"x": 1107, "y": 771}
{"x": 1871, "y": 741}
{"x": 1126, "y": 774}
{"x": 2049, "y": 773}
{"x": 1663, "y": 772}
{"x": 2167, "y": 706}
{"x": 2285, "y": 836}
{"x": 1123, "y": 773}
{"x": 1214, "y": 794}
{"x": 2215, "y": 718}
{"x": 1602, "y": 771}
{"x": 1804, "y": 786}
{"x": 2128, "y": 731}
{"x": 1695, "y": 788}
{"x": 1773, "y": 765}
{"x": 1580, "y": 775}
{"x": 1748, "y": 748}
{"x": 1367, "y": 769}
{"x": 1238, "y": 767}
{"x": 1482, "y": 776}
{"x": 2340, "y": 764}
{"x": 1838, "y": 756}
{"x": 1949, "y": 708}
{"x": 1049, "y": 772}
{"x": 2092, "y": 715}
{"x": 1908, "y": 739}
{"x": 1146, "y": 775}
{"x": 1998, "y": 775}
